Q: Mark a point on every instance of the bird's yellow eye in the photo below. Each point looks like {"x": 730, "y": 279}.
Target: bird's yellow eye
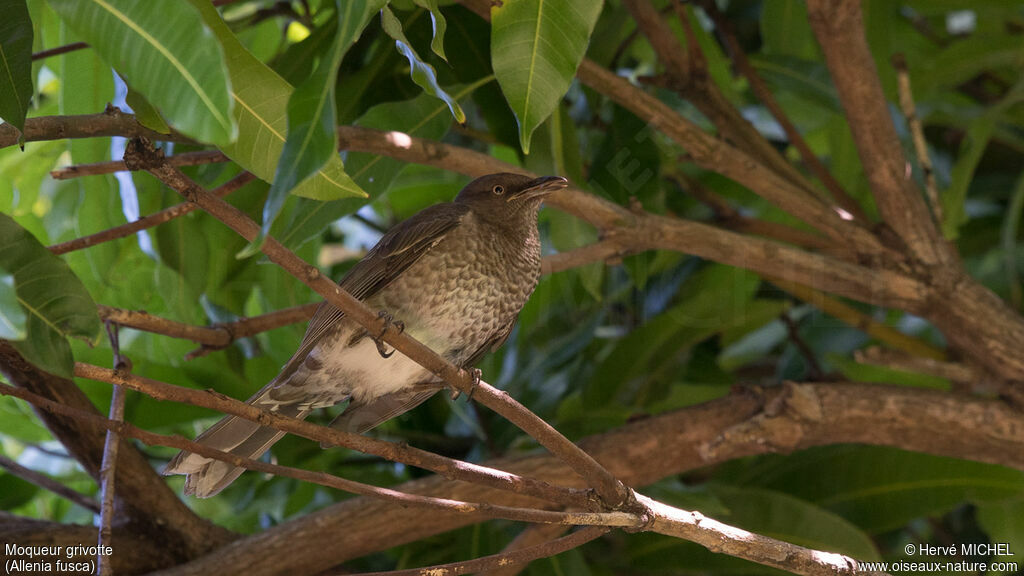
{"x": 499, "y": 189}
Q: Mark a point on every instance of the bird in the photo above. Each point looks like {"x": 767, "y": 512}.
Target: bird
{"x": 454, "y": 276}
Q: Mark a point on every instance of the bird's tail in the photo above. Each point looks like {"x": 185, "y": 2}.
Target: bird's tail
{"x": 207, "y": 477}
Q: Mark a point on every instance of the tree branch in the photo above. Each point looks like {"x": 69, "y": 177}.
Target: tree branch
{"x": 165, "y": 215}
{"x": 515, "y": 558}
{"x": 899, "y": 62}
{"x": 839, "y": 28}
{"x": 47, "y": 483}
{"x": 184, "y": 159}
{"x": 112, "y": 122}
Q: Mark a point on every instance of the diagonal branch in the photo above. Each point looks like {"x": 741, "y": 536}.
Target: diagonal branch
{"x": 47, "y": 483}
{"x": 607, "y": 487}
{"x": 839, "y": 27}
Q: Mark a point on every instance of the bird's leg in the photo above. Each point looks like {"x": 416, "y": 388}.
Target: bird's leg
{"x": 389, "y": 321}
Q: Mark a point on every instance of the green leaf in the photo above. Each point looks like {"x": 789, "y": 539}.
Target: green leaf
{"x": 12, "y": 316}
{"x": 971, "y": 150}
{"x": 55, "y": 299}
{"x": 439, "y": 23}
{"x": 423, "y": 74}
{"x": 785, "y": 29}
{"x": 536, "y": 46}
{"x": 261, "y": 98}
{"x": 15, "y": 62}
{"x": 784, "y": 517}
{"x": 312, "y": 136}
{"x": 165, "y": 52}
{"x": 145, "y": 113}
{"x": 880, "y": 488}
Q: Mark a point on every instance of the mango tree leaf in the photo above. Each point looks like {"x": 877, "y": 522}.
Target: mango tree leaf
{"x": 261, "y": 98}
{"x": 439, "y": 23}
{"x": 423, "y": 74}
{"x": 312, "y": 137}
{"x": 536, "y": 46}
{"x": 12, "y": 316}
{"x": 57, "y": 303}
{"x": 165, "y": 52}
{"x": 145, "y": 113}
{"x": 15, "y": 62}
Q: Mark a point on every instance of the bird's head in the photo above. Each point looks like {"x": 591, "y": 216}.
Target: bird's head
{"x": 506, "y": 196}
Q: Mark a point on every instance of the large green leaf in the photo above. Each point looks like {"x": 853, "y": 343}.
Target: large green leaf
{"x": 880, "y": 488}
{"x": 312, "y": 137}
{"x": 423, "y": 74}
{"x": 57, "y": 303}
{"x": 15, "y": 62}
{"x": 536, "y": 46}
{"x": 785, "y": 29}
{"x": 165, "y": 52}
{"x": 261, "y": 102}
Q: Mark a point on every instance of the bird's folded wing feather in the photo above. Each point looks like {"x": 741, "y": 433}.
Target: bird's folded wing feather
{"x": 398, "y": 249}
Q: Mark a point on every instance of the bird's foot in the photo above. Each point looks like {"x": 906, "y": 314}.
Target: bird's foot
{"x": 389, "y": 323}
{"x": 476, "y": 375}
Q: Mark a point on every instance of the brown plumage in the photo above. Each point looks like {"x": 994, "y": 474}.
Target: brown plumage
{"x": 455, "y": 274}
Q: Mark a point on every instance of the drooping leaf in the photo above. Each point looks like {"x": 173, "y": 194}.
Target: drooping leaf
{"x": 15, "y": 62}
{"x": 536, "y": 46}
{"x": 439, "y": 23}
{"x": 12, "y": 316}
{"x": 312, "y": 137}
{"x": 423, "y": 74}
{"x": 165, "y": 52}
{"x": 145, "y": 113}
{"x": 57, "y": 303}
{"x": 261, "y": 98}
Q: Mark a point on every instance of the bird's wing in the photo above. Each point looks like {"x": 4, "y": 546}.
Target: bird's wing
{"x": 359, "y": 417}
{"x": 398, "y": 249}
{"x": 491, "y": 344}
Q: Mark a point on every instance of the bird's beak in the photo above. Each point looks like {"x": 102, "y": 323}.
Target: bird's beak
{"x": 540, "y": 187}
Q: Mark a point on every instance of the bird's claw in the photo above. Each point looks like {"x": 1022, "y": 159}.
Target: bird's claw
{"x": 389, "y": 322}
{"x": 475, "y": 375}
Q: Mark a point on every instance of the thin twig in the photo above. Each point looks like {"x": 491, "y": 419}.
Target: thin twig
{"x": 47, "y": 483}
{"x": 814, "y": 368}
{"x": 196, "y": 158}
{"x": 899, "y": 62}
{"x": 108, "y": 467}
{"x": 504, "y": 559}
{"x": 59, "y": 50}
{"x": 483, "y": 510}
{"x": 611, "y": 491}
{"x": 531, "y": 535}
{"x": 898, "y": 360}
{"x": 404, "y": 454}
{"x": 165, "y": 215}
{"x": 760, "y": 89}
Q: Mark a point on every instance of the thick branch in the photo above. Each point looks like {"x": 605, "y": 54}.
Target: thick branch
{"x": 113, "y": 122}
{"x": 839, "y": 27}
{"x": 791, "y": 418}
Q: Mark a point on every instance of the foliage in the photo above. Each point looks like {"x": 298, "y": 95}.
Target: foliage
{"x": 596, "y": 346}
